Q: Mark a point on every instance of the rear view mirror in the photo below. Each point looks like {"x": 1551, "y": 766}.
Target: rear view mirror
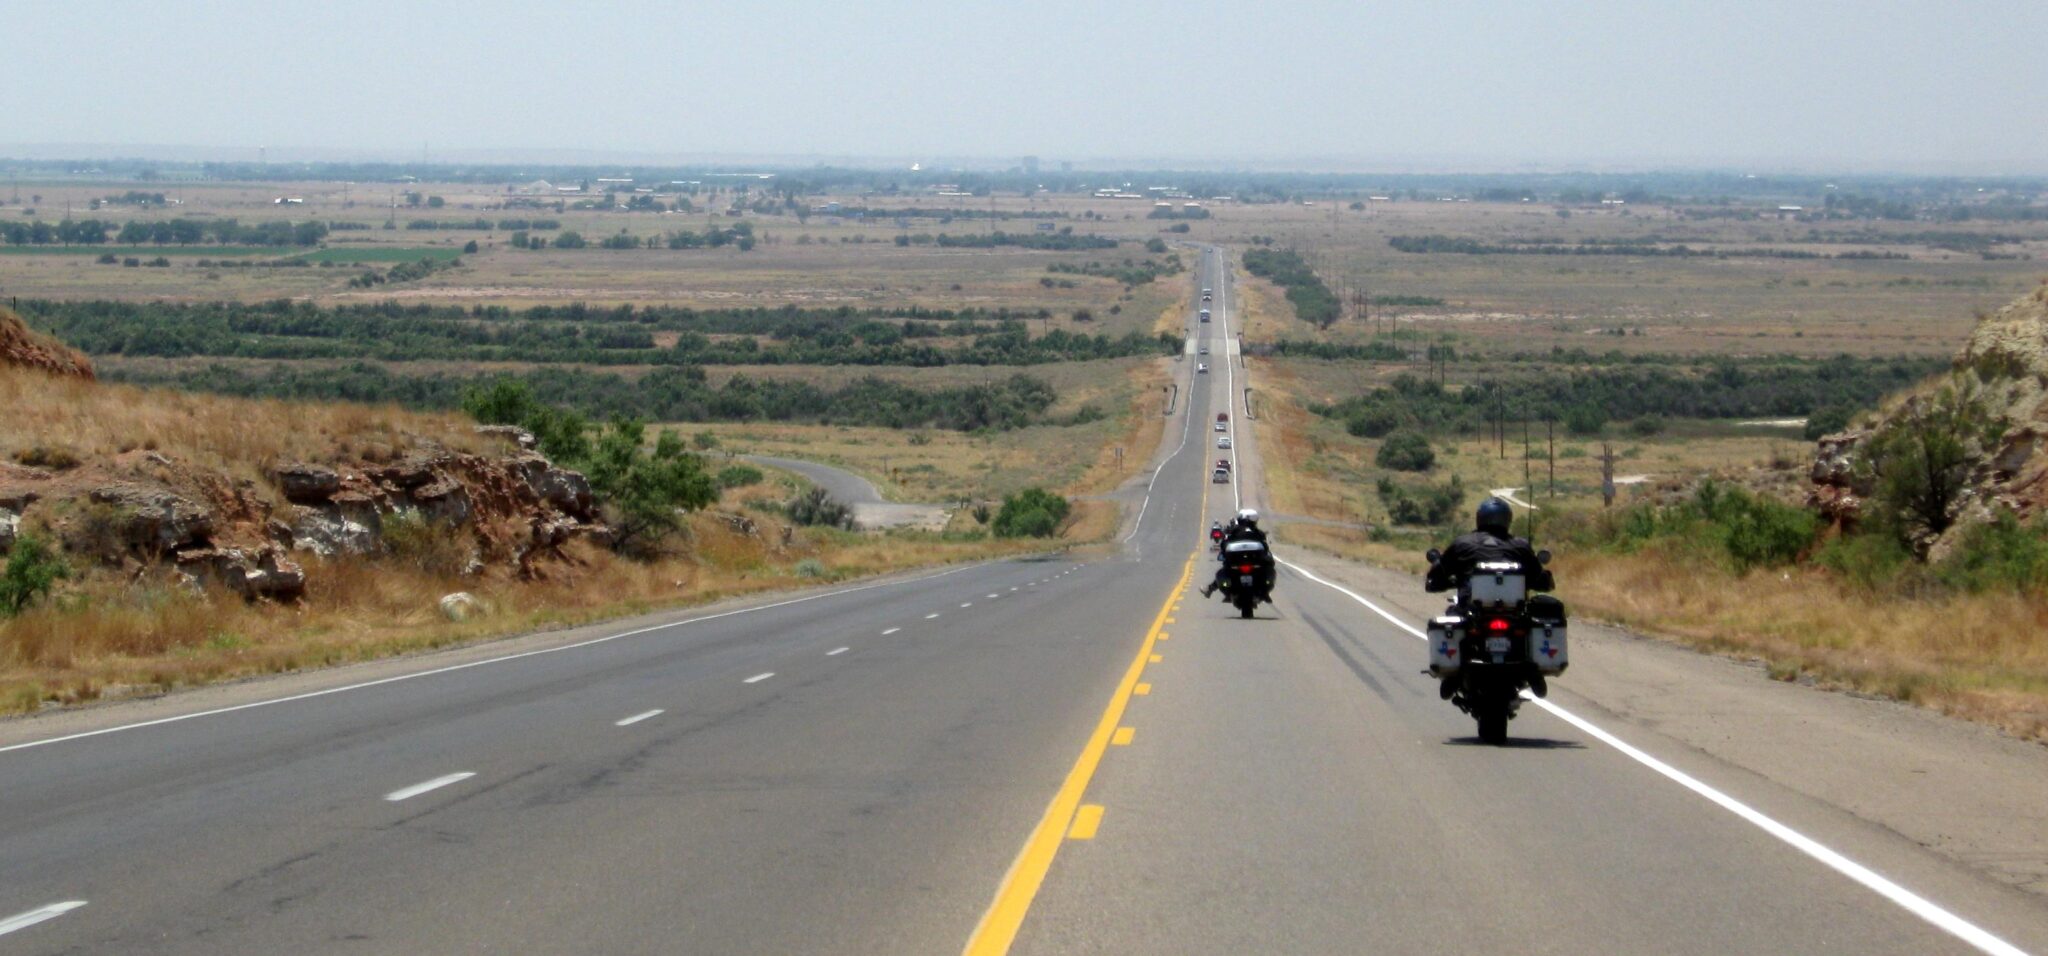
{"x": 1434, "y": 555}
{"x": 1543, "y": 556}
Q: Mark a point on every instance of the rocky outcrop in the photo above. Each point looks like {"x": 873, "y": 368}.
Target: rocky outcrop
{"x": 2003, "y": 371}
{"x": 148, "y": 510}
{"x": 21, "y": 347}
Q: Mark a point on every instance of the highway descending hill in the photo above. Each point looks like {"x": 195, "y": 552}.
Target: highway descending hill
{"x": 1054, "y": 755}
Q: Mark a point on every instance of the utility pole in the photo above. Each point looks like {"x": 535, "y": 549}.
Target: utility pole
{"x": 1606, "y": 475}
{"x": 1550, "y": 433}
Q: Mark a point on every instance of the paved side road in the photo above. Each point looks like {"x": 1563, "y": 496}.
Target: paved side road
{"x": 870, "y": 510}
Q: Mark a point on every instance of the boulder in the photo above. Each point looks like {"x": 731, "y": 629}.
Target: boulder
{"x": 329, "y": 531}
{"x": 565, "y": 489}
{"x": 409, "y": 472}
{"x": 305, "y": 484}
{"x": 443, "y": 499}
{"x": 155, "y": 520}
{"x": 462, "y": 605}
{"x": 265, "y": 573}
{"x": 10, "y": 525}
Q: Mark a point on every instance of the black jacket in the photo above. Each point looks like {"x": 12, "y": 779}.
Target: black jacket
{"x": 1470, "y": 549}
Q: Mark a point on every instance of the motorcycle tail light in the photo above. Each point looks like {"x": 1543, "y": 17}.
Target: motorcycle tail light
{"x": 1244, "y": 568}
{"x": 1497, "y": 624}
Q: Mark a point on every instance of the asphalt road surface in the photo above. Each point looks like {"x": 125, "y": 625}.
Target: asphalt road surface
{"x": 870, "y": 509}
{"x": 1047, "y": 756}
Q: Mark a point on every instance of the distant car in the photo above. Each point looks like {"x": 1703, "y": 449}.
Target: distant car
{"x": 1223, "y": 441}
{"x": 1206, "y": 296}
{"x": 1220, "y": 476}
{"x": 1205, "y": 350}
{"x": 1223, "y": 463}
{"x": 1205, "y": 315}
{"x": 1203, "y": 367}
{"x": 1222, "y": 427}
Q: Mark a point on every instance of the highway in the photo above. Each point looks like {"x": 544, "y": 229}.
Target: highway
{"x": 1057, "y": 755}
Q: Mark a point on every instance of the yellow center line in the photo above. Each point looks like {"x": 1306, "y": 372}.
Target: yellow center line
{"x": 1005, "y": 915}
{"x": 1086, "y": 821}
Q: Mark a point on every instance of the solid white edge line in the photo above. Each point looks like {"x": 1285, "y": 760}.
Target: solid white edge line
{"x": 636, "y": 718}
{"x": 835, "y": 652}
{"x": 891, "y": 631}
{"x": 309, "y": 695}
{"x": 437, "y": 783}
{"x": 1906, "y": 899}
{"x": 757, "y": 678}
{"x": 20, "y": 921}
{"x": 1187, "y": 426}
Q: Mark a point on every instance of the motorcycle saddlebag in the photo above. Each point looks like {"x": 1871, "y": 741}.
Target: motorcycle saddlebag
{"x": 1548, "y": 649}
{"x": 1444, "y": 635}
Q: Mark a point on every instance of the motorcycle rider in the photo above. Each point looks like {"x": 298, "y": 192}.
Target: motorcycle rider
{"x": 1244, "y": 527}
{"x": 1216, "y": 533}
{"x": 1491, "y": 540}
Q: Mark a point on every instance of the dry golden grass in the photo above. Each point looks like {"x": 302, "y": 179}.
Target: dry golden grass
{"x": 96, "y": 420}
{"x": 1981, "y": 657}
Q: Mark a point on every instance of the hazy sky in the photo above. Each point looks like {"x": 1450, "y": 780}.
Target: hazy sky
{"x": 1955, "y": 85}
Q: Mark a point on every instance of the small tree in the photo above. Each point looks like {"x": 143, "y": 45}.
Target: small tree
{"x": 32, "y": 567}
{"x": 1033, "y": 512}
{"x": 1919, "y": 462}
{"x": 644, "y": 493}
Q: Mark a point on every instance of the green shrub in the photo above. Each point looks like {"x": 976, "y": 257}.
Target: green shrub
{"x": 1919, "y": 462}
{"x": 814, "y": 507}
{"x": 1031, "y": 513}
{"x": 739, "y": 476}
{"x": 810, "y": 568}
{"x": 1405, "y": 451}
{"x": 32, "y": 567}
{"x": 2002, "y": 555}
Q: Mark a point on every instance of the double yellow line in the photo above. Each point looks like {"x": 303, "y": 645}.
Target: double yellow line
{"x": 998, "y": 927}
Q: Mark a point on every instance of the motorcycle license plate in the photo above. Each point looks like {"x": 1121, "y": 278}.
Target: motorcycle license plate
{"x": 1244, "y": 579}
{"x": 1497, "y": 645}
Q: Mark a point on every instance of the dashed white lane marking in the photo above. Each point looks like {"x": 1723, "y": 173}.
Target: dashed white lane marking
{"x": 1013, "y": 589}
{"x": 636, "y": 718}
{"x": 757, "y": 678}
{"x": 995, "y": 595}
{"x": 931, "y": 615}
{"x": 891, "y": 631}
{"x": 1906, "y": 899}
{"x": 21, "y": 921}
{"x": 430, "y": 785}
{"x": 967, "y": 604}
{"x": 835, "y": 652}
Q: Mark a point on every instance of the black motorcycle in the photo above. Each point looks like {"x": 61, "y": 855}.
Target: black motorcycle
{"x": 1248, "y": 573}
{"x": 1496, "y": 639}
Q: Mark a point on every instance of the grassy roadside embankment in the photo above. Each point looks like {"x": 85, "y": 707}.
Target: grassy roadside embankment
{"x": 1980, "y": 656}
{"x": 135, "y": 629}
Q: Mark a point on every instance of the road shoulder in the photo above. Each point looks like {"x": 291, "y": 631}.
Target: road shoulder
{"x": 1964, "y": 791}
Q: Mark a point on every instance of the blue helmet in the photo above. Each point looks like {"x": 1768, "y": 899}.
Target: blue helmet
{"x": 1495, "y": 517}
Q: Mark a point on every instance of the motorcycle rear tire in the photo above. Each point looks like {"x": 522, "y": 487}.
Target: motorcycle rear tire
{"x": 1493, "y": 726}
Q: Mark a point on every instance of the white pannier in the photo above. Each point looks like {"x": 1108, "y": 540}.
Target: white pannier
{"x": 1444, "y": 635}
{"x": 1496, "y": 585}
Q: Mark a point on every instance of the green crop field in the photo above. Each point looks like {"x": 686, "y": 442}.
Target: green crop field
{"x": 381, "y": 254}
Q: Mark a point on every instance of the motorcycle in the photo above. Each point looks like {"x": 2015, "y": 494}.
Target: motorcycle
{"x": 1215, "y": 539}
{"x": 1497, "y": 639}
{"x": 1248, "y": 573}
